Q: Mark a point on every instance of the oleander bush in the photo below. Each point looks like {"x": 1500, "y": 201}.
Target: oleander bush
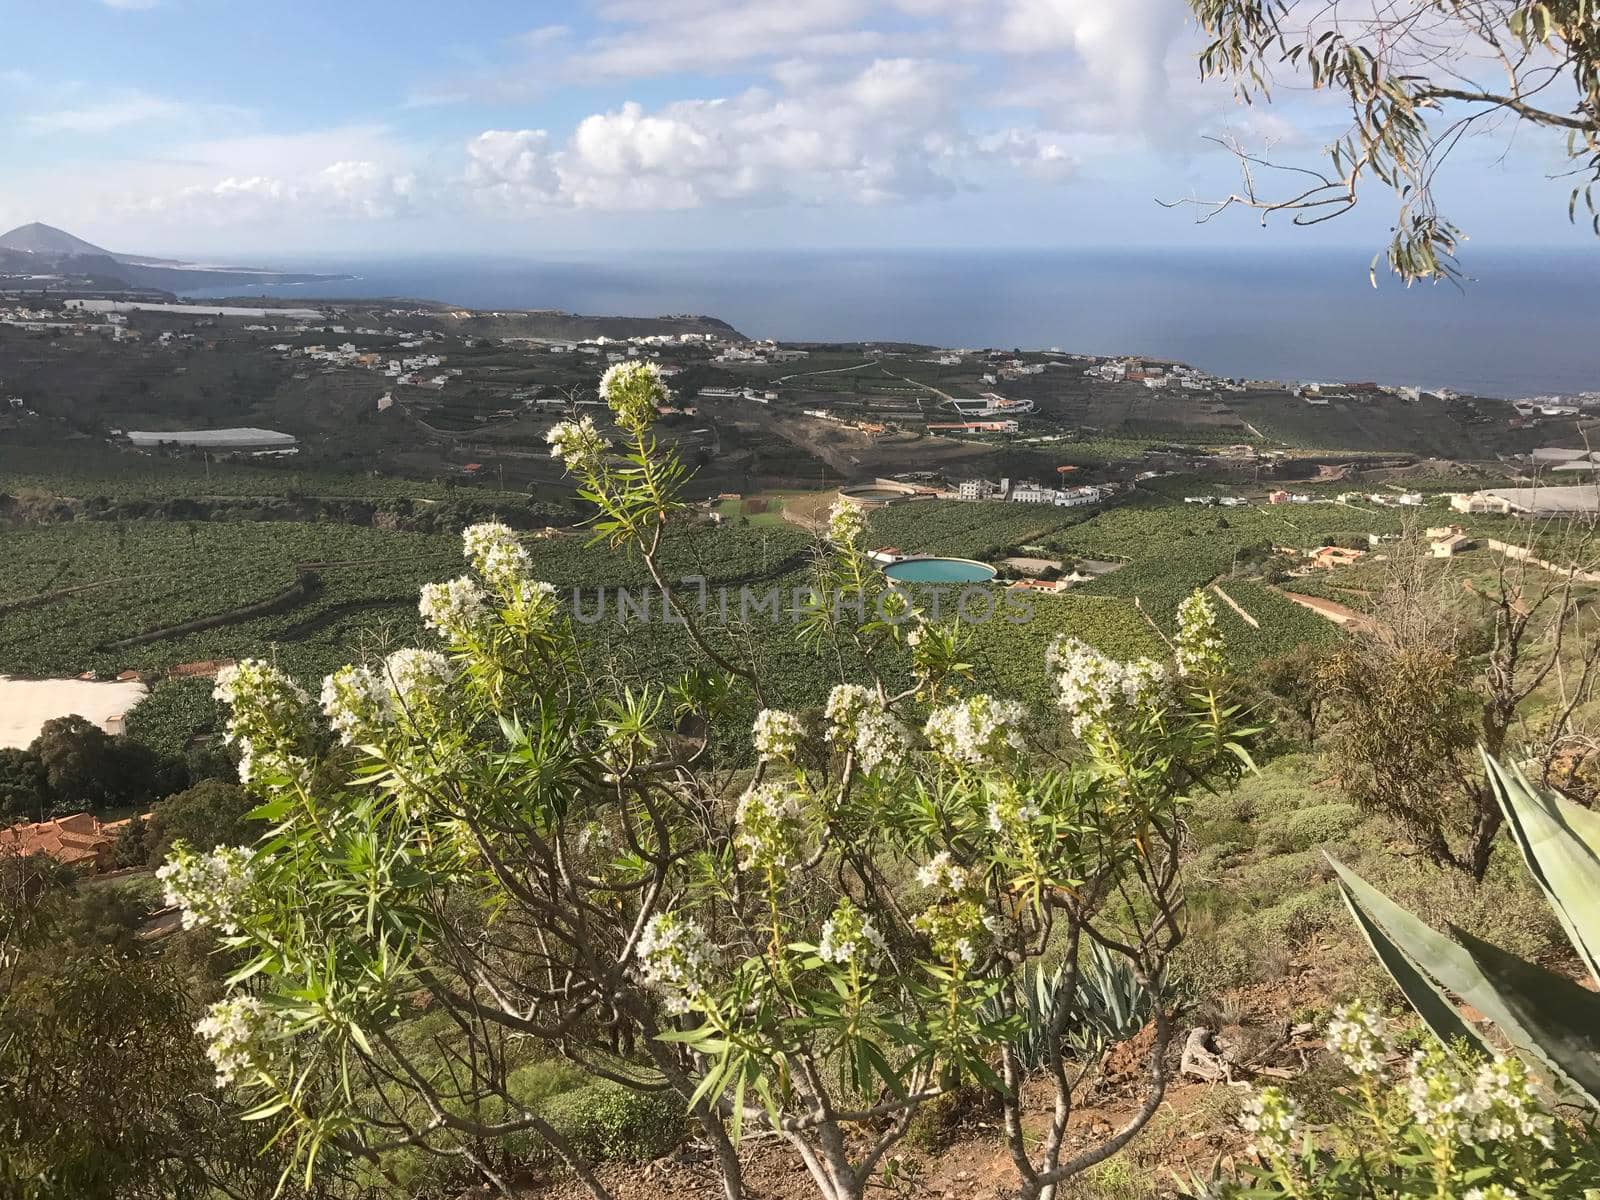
{"x": 810, "y": 925}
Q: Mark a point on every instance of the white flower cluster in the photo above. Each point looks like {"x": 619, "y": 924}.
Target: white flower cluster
{"x": 260, "y": 686}
{"x": 212, "y": 889}
{"x": 1493, "y": 1102}
{"x": 579, "y": 445}
{"x": 768, "y": 828}
{"x": 633, "y": 389}
{"x": 594, "y": 837}
{"x": 858, "y": 720}
{"x": 1093, "y": 689}
{"x": 495, "y": 553}
{"x": 849, "y": 936}
{"x": 418, "y": 677}
{"x": 1199, "y": 646}
{"x": 954, "y": 929}
{"x": 777, "y": 734}
{"x": 1509, "y": 1108}
{"x": 977, "y": 731}
{"x": 1010, "y": 809}
{"x": 451, "y": 609}
{"x": 268, "y": 721}
{"x": 847, "y": 522}
{"x": 999, "y": 925}
{"x": 1495, "y": 1191}
{"x": 677, "y": 961}
{"x": 942, "y": 875}
{"x": 359, "y": 701}
{"x": 1356, "y": 1034}
{"x": 239, "y": 1031}
{"x": 1270, "y": 1117}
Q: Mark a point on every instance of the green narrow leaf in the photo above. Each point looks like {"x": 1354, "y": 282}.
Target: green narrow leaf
{"x": 713, "y": 1084}
{"x": 271, "y": 1108}
{"x": 1566, "y": 1013}
{"x": 1420, "y": 992}
{"x": 1560, "y": 854}
{"x": 880, "y": 1066}
{"x": 1547, "y": 1035}
{"x": 737, "y": 1130}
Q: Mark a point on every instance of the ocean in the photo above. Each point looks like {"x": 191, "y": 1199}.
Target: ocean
{"x": 1525, "y": 324}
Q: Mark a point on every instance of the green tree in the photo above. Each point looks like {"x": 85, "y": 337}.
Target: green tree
{"x": 1425, "y": 684}
{"x": 108, "y": 1093}
{"x": 24, "y": 791}
{"x": 209, "y": 814}
{"x": 1294, "y": 681}
{"x": 80, "y": 764}
{"x": 1417, "y": 76}
{"x": 87, "y": 768}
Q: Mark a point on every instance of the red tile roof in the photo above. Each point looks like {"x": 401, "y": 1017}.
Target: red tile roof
{"x": 78, "y": 839}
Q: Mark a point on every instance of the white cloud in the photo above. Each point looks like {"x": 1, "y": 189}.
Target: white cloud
{"x": 355, "y": 172}
{"x": 136, "y": 108}
{"x": 343, "y": 190}
{"x": 700, "y": 36}
{"x": 544, "y": 36}
{"x": 890, "y": 131}
{"x": 131, "y": 5}
{"x": 861, "y": 102}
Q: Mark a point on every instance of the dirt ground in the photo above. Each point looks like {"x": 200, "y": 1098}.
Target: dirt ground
{"x": 1191, "y": 1129}
{"x": 1194, "y": 1128}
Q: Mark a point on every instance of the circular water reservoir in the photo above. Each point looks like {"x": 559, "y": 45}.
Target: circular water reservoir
{"x": 939, "y": 570}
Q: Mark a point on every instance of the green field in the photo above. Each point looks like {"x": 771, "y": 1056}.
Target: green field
{"x": 966, "y": 530}
{"x": 81, "y": 472}
{"x": 111, "y": 596}
{"x": 1167, "y": 550}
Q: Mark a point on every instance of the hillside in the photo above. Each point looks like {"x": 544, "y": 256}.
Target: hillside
{"x": 38, "y": 238}
{"x": 40, "y": 254}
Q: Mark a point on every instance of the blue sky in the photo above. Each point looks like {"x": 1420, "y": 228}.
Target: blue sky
{"x": 212, "y": 127}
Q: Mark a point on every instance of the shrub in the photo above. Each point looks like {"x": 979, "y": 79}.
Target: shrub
{"x": 1458, "y": 1123}
{"x": 605, "y": 1121}
{"x": 549, "y": 1077}
{"x": 1313, "y": 826}
{"x": 553, "y": 855}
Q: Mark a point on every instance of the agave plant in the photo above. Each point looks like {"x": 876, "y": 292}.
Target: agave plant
{"x": 1547, "y": 1016}
{"x": 1110, "y": 1006}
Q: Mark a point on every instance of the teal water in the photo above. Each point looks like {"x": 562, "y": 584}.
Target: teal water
{"x": 939, "y": 570}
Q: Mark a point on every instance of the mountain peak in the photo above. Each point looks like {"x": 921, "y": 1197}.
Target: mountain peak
{"x": 37, "y": 238}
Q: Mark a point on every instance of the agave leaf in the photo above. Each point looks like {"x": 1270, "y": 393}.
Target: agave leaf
{"x": 1558, "y": 840}
{"x": 1546, "y": 1033}
{"x": 1566, "y": 1014}
{"x": 1420, "y": 991}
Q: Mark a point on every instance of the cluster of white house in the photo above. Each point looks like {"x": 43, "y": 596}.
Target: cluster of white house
{"x": 1023, "y": 491}
{"x": 1556, "y": 406}
{"x": 113, "y": 325}
{"x": 760, "y": 352}
{"x": 991, "y": 404}
{"x": 1158, "y": 375}
{"x": 1383, "y": 499}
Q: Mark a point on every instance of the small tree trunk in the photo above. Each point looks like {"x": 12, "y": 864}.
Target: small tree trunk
{"x": 1480, "y": 845}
